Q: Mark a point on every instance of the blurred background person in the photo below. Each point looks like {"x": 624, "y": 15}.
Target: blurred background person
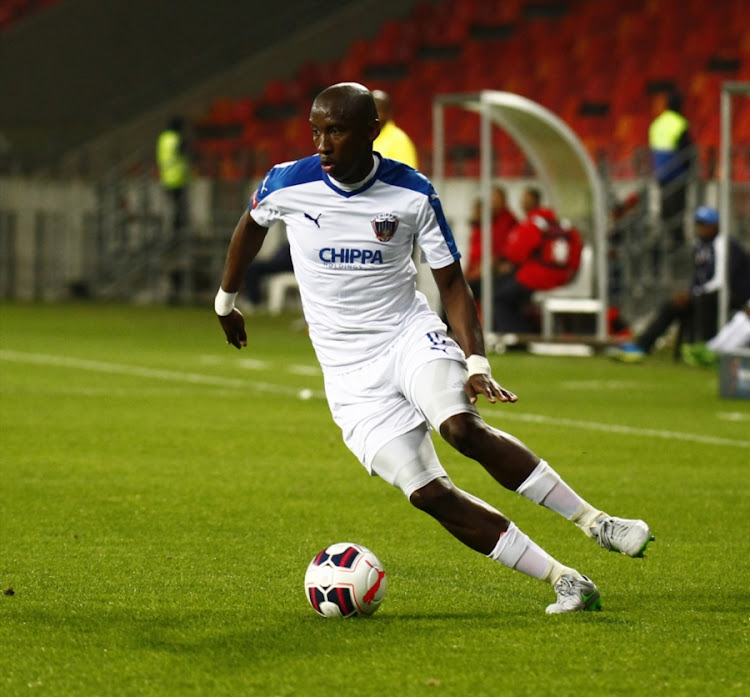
{"x": 697, "y": 306}
{"x": 672, "y": 155}
{"x": 174, "y": 169}
{"x": 503, "y": 221}
{"x": 540, "y": 254}
{"x": 733, "y": 336}
{"x": 279, "y": 262}
{"x": 392, "y": 141}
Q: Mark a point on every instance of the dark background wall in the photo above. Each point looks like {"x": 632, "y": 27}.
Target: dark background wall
{"x": 85, "y": 68}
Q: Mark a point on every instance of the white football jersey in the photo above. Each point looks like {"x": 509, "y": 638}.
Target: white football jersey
{"x": 352, "y": 252}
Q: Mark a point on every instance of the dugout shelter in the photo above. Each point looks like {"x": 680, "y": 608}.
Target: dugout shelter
{"x": 560, "y": 162}
{"x": 726, "y": 185}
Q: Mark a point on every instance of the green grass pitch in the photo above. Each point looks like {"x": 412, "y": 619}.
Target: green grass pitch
{"x": 161, "y": 495}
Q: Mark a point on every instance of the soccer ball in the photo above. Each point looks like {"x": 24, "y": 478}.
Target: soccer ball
{"x": 345, "y": 580}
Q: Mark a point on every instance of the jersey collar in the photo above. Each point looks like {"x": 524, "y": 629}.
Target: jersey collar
{"x": 358, "y": 187}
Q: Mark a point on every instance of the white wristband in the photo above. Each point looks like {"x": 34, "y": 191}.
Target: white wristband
{"x": 478, "y": 365}
{"x": 224, "y": 302}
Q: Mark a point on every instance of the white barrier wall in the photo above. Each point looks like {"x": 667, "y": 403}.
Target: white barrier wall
{"x": 49, "y": 230}
{"x": 46, "y": 234}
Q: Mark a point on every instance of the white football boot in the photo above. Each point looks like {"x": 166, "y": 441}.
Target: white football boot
{"x": 575, "y": 595}
{"x": 622, "y": 535}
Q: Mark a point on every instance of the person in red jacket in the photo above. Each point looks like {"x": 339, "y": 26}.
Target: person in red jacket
{"x": 503, "y": 221}
{"x": 540, "y": 253}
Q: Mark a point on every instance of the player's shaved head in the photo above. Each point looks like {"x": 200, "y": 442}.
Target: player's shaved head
{"x": 348, "y": 100}
{"x": 344, "y": 123}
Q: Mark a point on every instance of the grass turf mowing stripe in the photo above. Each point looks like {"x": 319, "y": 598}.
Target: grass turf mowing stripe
{"x": 218, "y": 381}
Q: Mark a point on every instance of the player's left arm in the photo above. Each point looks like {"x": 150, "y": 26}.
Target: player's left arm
{"x": 461, "y": 312}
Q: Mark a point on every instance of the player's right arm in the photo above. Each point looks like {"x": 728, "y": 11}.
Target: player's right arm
{"x": 244, "y": 246}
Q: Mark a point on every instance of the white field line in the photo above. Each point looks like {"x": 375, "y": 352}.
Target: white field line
{"x": 247, "y": 363}
{"x": 311, "y": 370}
{"x": 616, "y": 428}
{"x": 596, "y": 385}
{"x": 733, "y": 416}
{"x": 253, "y": 364}
{"x": 158, "y": 374}
{"x": 217, "y": 381}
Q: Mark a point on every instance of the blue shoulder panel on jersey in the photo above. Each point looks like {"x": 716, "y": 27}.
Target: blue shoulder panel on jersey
{"x": 284, "y": 175}
{"x": 398, "y": 174}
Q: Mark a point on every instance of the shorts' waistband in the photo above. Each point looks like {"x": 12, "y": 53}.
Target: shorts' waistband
{"x": 415, "y": 326}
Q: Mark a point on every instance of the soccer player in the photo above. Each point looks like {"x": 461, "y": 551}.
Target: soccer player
{"x": 390, "y": 369}
{"x": 733, "y": 336}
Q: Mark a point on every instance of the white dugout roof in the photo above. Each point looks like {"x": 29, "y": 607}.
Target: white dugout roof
{"x": 560, "y": 161}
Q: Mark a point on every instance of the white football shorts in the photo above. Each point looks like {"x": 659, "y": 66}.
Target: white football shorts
{"x": 418, "y": 380}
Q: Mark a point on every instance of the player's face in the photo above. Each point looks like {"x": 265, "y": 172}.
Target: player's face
{"x": 343, "y": 141}
{"x": 528, "y": 202}
{"x": 498, "y": 200}
{"x": 705, "y": 231}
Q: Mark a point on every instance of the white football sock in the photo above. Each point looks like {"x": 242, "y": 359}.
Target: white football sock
{"x": 517, "y": 551}
{"x": 545, "y": 487}
{"x": 733, "y": 335}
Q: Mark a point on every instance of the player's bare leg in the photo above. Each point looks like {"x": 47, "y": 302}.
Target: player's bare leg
{"x": 488, "y": 531}
{"x": 517, "y": 468}
{"x": 505, "y": 457}
{"x": 410, "y": 463}
{"x": 476, "y": 525}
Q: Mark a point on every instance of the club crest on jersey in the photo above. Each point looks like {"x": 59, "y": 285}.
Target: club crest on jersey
{"x": 384, "y": 225}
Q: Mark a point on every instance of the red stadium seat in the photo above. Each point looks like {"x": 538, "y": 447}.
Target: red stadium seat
{"x": 599, "y": 54}
{"x": 14, "y": 11}
{"x": 491, "y": 12}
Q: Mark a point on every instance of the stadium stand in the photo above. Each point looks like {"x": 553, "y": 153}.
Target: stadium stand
{"x": 123, "y": 66}
{"x": 245, "y": 80}
{"x": 14, "y": 11}
{"x": 606, "y": 85}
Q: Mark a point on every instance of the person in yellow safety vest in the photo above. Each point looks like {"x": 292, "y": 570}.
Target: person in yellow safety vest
{"x": 392, "y": 142}
{"x": 174, "y": 168}
{"x": 672, "y": 154}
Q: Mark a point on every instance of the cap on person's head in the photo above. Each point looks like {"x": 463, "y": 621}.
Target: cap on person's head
{"x": 176, "y": 123}
{"x": 707, "y": 215}
{"x": 674, "y": 101}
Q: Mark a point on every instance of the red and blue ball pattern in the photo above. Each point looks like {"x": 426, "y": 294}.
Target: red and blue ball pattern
{"x": 345, "y": 580}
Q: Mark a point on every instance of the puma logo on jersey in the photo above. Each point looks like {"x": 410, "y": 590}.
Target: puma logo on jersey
{"x": 315, "y": 220}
